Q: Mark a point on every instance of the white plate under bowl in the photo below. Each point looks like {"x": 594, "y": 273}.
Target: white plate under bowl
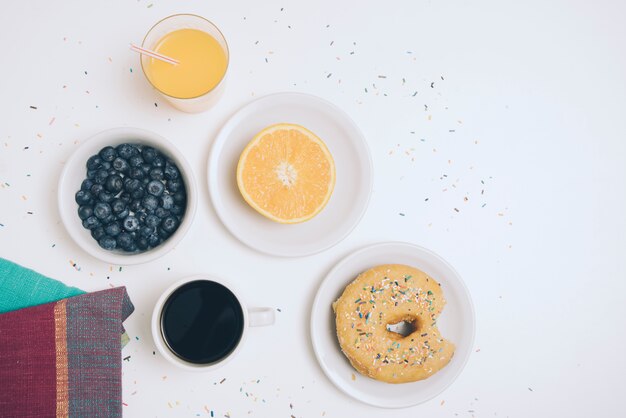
{"x": 353, "y": 175}
{"x": 74, "y": 173}
{"x": 456, "y": 323}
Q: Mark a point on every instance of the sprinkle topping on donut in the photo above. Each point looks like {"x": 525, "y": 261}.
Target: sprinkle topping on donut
{"x": 387, "y": 324}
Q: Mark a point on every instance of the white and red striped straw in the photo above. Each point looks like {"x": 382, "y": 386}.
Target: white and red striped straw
{"x": 153, "y": 54}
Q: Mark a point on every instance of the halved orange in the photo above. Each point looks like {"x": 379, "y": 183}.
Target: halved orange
{"x": 286, "y": 173}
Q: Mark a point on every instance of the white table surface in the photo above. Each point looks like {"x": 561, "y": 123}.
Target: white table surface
{"x": 525, "y": 119}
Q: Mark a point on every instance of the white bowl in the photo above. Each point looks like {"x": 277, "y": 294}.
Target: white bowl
{"x": 75, "y": 172}
{"x": 456, "y": 323}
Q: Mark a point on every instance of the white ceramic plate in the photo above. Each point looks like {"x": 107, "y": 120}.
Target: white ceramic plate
{"x": 352, "y": 162}
{"x": 74, "y": 173}
{"x": 456, "y": 322}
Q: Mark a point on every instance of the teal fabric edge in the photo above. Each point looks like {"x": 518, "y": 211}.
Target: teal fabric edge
{"x": 21, "y": 287}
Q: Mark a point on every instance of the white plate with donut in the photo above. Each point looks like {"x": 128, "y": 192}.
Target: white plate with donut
{"x": 456, "y": 323}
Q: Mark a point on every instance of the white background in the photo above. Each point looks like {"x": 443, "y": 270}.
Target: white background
{"x": 532, "y": 104}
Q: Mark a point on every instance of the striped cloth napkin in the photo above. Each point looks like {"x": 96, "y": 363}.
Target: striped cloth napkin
{"x": 61, "y": 358}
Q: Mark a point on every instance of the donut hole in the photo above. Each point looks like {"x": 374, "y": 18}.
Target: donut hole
{"x": 404, "y": 327}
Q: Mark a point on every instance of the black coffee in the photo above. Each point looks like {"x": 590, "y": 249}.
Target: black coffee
{"x": 202, "y": 322}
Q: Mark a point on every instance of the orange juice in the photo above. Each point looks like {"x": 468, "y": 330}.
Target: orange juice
{"x": 202, "y": 64}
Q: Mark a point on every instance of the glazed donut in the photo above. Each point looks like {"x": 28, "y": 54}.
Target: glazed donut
{"x": 382, "y": 297}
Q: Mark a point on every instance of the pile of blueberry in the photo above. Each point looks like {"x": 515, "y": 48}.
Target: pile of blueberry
{"x": 133, "y": 198}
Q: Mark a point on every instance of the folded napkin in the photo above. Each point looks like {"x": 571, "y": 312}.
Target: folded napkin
{"x": 21, "y": 288}
{"x": 63, "y": 358}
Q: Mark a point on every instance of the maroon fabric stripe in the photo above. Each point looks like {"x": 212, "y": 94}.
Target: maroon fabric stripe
{"x": 27, "y": 362}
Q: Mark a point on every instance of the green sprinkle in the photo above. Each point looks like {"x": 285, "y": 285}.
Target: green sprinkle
{"x": 407, "y": 278}
{"x": 358, "y": 300}
{"x": 429, "y": 292}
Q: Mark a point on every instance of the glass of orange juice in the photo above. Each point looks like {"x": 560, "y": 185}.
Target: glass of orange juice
{"x": 197, "y": 81}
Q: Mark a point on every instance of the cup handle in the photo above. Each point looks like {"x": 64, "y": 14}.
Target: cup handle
{"x": 260, "y": 317}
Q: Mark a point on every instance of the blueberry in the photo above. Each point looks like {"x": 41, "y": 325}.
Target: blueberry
{"x": 161, "y": 213}
{"x": 101, "y": 176}
{"x": 131, "y": 223}
{"x": 125, "y": 197}
{"x": 136, "y": 173}
{"x": 105, "y": 196}
{"x": 158, "y": 161}
{"x": 155, "y": 188}
{"x": 132, "y": 185}
{"x": 108, "y": 154}
{"x": 107, "y": 242}
{"x": 171, "y": 172}
{"x": 96, "y": 189}
{"x": 163, "y": 234}
{"x": 141, "y": 215}
{"x": 117, "y": 205}
{"x": 135, "y": 161}
{"x": 154, "y": 240}
{"x": 145, "y": 181}
{"x": 107, "y": 165}
{"x": 169, "y": 224}
{"x": 91, "y": 222}
{"x": 86, "y": 184}
{"x": 175, "y": 185}
{"x": 135, "y": 205}
{"x": 180, "y": 197}
{"x": 145, "y": 231}
{"x": 126, "y": 150}
{"x": 142, "y": 243}
{"x": 94, "y": 162}
{"x": 124, "y": 240}
{"x": 85, "y": 212}
{"x": 91, "y": 174}
{"x": 167, "y": 202}
{"x": 101, "y": 210}
{"x": 177, "y": 210}
{"x": 109, "y": 219}
{"x": 150, "y": 203}
{"x": 146, "y": 168}
{"x": 121, "y": 165}
{"x": 97, "y": 233}
{"x": 123, "y": 214}
{"x": 149, "y": 154}
{"x": 152, "y": 221}
{"x": 157, "y": 173}
{"x": 83, "y": 197}
{"x": 139, "y": 193}
{"x": 114, "y": 184}
{"x": 113, "y": 229}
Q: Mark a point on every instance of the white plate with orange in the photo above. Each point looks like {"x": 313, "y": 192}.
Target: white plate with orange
{"x": 351, "y": 186}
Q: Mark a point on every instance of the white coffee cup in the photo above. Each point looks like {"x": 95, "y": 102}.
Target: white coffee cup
{"x": 252, "y": 317}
